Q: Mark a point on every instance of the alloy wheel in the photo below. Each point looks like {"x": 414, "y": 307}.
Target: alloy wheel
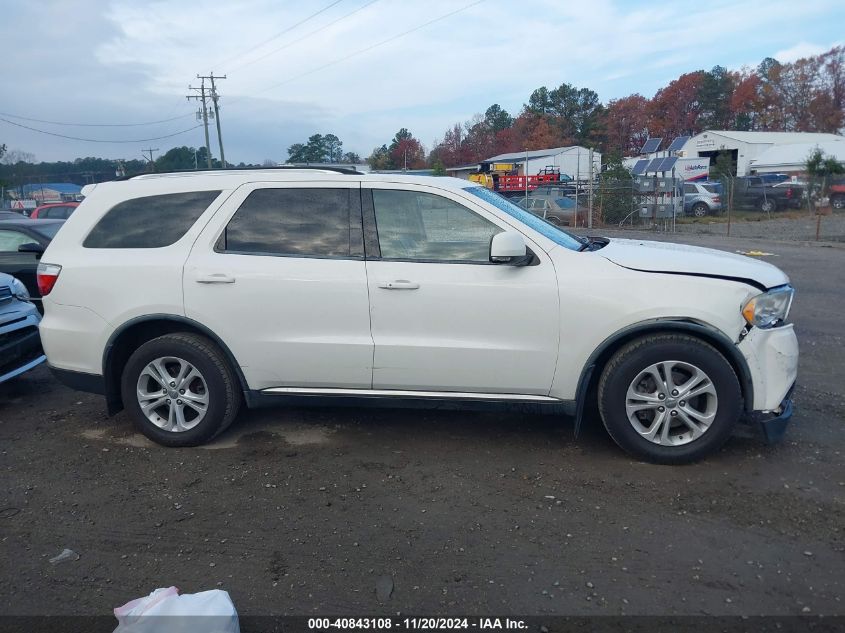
{"x": 671, "y": 403}
{"x": 172, "y": 394}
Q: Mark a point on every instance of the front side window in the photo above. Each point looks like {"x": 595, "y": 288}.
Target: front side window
{"x": 307, "y": 222}
{"x": 419, "y": 226}
{"x": 149, "y": 222}
{"x": 10, "y": 240}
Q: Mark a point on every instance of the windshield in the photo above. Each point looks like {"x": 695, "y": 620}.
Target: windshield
{"x": 547, "y": 229}
{"x": 49, "y": 231}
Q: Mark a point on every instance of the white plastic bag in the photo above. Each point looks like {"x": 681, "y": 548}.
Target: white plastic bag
{"x": 165, "y": 611}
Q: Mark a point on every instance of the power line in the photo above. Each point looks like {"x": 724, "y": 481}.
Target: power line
{"x": 304, "y": 37}
{"x": 98, "y": 140}
{"x": 364, "y": 50}
{"x": 280, "y": 33}
{"x": 23, "y": 118}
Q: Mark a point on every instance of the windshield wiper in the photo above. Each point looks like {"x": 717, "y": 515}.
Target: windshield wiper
{"x": 592, "y": 243}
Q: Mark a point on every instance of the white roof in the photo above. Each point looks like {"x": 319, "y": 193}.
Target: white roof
{"x": 796, "y": 154}
{"x": 537, "y": 153}
{"x": 173, "y": 182}
{"x": 769, "y": 138}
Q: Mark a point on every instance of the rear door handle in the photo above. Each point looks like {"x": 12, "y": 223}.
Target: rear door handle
{"x": 214, "y": 278}
{"x": 399, "y": 284}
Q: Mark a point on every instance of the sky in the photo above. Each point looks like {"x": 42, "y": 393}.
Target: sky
{"x": 360, "y": 69}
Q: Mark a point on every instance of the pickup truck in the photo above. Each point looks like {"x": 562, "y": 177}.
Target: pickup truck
{"x": 755, "y": 192}
{"x": 837, "y": 195}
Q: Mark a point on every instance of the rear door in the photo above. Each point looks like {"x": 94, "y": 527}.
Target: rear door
{"x": 443, "y": 317}
{"x": 279, "y": 275}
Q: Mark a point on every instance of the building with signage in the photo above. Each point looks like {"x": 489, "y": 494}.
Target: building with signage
{"x": 747, "y": 148}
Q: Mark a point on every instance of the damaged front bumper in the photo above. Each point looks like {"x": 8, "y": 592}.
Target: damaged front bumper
{"x": 772, "y": 356}
{"x": 773, "y": 423}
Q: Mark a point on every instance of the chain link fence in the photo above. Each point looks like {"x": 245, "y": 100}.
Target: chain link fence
{"x": 618, "y": 203}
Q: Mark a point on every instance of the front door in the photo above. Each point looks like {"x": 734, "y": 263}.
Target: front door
{"x": 279, "y": 275}
{"x": 443, "y": 317}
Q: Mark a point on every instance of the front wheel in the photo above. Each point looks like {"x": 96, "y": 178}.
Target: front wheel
{"x": 669, "y": 398}
{"x": 180, "y": 390}
{"x": 838, "y": 202}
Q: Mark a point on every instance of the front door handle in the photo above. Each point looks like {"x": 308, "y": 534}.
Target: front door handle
{"x": 399, "y": 284}
{"x": 215, "y": 278}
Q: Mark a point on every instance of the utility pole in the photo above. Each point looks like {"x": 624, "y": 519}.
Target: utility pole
{"x": 590, "y": 195}
{"x": 201, "y": 97}
{"x": 150, "y": 151}
{"x": 214, "y": 98}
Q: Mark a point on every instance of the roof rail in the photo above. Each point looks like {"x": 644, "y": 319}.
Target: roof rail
{"x": 340, "y": 170}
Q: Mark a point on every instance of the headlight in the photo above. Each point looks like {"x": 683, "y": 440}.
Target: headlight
{"x": 770, "y": 308}
{"x": 19, "y": 290}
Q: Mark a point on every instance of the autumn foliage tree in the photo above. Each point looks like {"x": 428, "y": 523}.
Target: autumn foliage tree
{"x": 807, "y": 95}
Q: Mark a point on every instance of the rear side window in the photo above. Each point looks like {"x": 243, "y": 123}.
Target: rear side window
{"x": 305, "y": 222}
{"x": 710, "y": 188}
{"x": 149, "y": 222}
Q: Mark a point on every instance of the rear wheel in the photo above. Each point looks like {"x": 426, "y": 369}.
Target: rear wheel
{"x": 554, "y": 220}
{"x": 669, "y": 398}
{"x": 700, "y": 210}
{"x": 838, "y": 202}
{"x": 179, "y": 390}
{"x": 767, "y": 205}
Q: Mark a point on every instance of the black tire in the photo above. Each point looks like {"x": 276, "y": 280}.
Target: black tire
{"x": 554, "y": 220}
{"x": 700, "y": 210}
{"x": 767, "y": 205}
{"x": 838, "y": 202}
{"x": 636, "y": 356}
{"x": 222, "y": 387}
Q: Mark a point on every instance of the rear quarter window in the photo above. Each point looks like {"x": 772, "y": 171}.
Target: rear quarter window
{"x": 149, "y": 221}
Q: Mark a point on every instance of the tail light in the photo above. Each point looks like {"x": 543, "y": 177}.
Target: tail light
{"x": 788, "y": 192}
{"x": 716, "y": 199}
{"x": 48, "y": 275}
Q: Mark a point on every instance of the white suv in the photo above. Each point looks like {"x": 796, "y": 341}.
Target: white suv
{"x": 183, "y": 296}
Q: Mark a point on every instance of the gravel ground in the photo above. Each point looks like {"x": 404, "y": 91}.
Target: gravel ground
{"x": 307, "y": 511}
{"x": 832, "y": 228}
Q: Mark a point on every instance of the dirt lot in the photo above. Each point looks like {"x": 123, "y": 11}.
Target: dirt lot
{"x": 304, "y": 510}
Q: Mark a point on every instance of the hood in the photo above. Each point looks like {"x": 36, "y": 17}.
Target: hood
{"x": 680, "y": 259}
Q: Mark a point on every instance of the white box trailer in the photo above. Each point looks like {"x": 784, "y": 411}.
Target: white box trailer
{"x": 573, "y": 161}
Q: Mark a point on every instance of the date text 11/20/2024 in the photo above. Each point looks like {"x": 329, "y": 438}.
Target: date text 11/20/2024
{"x": 422, "y": 623}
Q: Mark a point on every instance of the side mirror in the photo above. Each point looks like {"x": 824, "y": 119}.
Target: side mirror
{"x": 508, "y": 248}
{"x": 32, "y": 247}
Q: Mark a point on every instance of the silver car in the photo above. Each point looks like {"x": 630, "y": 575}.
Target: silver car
{"x": 20, "y": 344}
{"x": 701, "y": 198}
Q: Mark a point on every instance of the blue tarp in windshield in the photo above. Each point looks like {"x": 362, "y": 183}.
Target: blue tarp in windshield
{"x": 557, "y": 235}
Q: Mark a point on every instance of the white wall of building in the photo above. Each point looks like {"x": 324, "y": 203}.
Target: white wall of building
{"x": 748, "y": 146}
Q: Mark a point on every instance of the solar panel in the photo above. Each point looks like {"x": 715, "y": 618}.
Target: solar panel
{"x": 678, "y": 143}
{"x": 639, "y": 168}
{"x": 651, "y": 145}
{"x": 654, "y": 164}
{"x": 668, "y": 163}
